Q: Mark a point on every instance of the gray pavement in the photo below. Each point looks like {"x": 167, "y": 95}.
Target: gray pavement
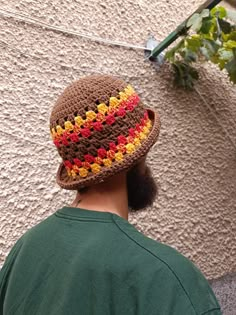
{"x": 225, "y": 290}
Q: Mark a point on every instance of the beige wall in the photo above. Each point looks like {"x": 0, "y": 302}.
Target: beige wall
{"x": 193, "y": 162}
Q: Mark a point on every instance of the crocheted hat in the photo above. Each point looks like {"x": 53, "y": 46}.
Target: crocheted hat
{"x": 100, "y": 128}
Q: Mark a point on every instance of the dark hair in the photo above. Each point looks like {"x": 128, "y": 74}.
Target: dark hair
{"x": 142, "y": 188}
{"x": 83, "y": 190}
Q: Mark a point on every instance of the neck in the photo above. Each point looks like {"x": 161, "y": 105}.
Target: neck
{"x": 110, "y": 196}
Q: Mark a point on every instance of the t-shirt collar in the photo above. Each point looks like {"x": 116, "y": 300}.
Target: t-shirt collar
{"x": 86, "y": 214}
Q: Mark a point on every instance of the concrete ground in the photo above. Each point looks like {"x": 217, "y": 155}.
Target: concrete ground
{"x": 225, "y": 290}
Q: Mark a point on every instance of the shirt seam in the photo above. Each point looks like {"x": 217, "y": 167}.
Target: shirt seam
{"x": 213, "y": 309}
{"x": 71, "y": 217}
{"x": 117, "y": 224}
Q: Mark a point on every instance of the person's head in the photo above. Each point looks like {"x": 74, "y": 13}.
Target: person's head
{"x": 103, "y": 131}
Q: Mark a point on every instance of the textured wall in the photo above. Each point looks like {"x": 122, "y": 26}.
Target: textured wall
{"x": 194, "y": 162}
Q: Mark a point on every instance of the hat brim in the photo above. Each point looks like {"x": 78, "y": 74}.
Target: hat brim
{"x": 69, "y": 183}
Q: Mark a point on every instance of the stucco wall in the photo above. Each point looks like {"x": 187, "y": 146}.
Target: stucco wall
{"x": 193, "y": 162}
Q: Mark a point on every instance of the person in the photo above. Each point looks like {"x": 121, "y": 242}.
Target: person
{"x": 86, "y": 258}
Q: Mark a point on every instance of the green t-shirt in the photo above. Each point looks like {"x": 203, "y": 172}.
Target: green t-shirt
{"x": 82, "y": 262}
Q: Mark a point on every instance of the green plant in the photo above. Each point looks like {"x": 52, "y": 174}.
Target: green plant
{"x": 212, "y": 38}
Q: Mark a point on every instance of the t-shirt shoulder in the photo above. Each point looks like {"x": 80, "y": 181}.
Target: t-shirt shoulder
{"x": 19, "y": 244}
{"x": 177, "y": 268}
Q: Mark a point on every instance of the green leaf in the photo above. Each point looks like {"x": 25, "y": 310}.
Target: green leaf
{"x": 204, "y": 51}
{"x": 211, "y": 45}
{"x": 193, "y": 43}
{"x": 231, "y": 15}
{"x": 170, "y": 54}
{"x": 225, "y": 26}
{"x": 221, "y": 64}
{"x": 207, "y": 24}
{"x": 193, "y": 19}
{"x": 207, "y": 37}
{"x": 231, "y": 69}
{"x": 205, "y": 13}
{"x": 190, "y": 56}
{"x": 184, "y": 75}
{"x": 195, "y": 22}
{"x": 225, "y": 54}
{"x": 230, "y": 44}
{"x": 219, "y": 12}
{"x": 232, "y": 35}
{"x": 214, "y": 59}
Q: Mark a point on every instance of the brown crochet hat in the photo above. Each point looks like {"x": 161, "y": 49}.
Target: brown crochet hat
{"x": 100, "y": 128}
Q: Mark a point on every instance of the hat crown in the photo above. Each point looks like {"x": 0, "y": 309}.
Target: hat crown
{"x": 83, "y": 95}
{"x": 99, "y": 126}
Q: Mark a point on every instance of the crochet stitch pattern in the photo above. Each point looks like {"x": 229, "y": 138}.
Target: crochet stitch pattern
{"x": 126, "y": 145}
{"x": 128, "y": 99}
{"x": 100, "y": 127}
